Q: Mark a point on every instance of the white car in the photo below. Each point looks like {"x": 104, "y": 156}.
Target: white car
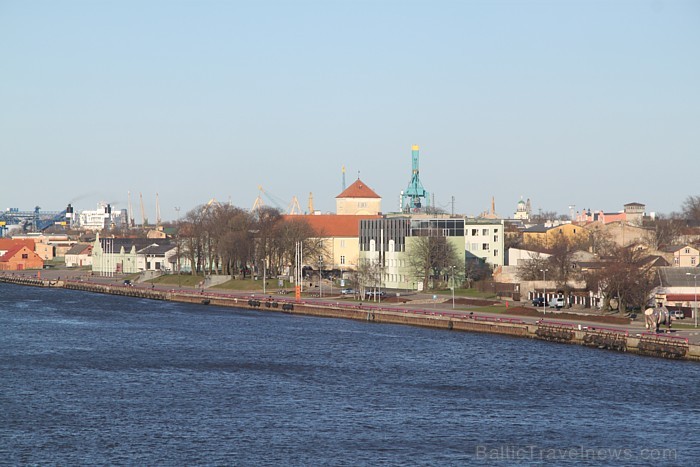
{"x": 677, "y": 314}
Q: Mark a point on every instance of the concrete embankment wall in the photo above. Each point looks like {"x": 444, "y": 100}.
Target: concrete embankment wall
{"x": 655, "y": 345}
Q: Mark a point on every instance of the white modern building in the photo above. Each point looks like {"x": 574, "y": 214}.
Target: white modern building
{"x": 485, "y": 239}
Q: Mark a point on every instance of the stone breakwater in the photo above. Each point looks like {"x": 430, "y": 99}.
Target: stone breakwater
{"x": 649, "y": 344}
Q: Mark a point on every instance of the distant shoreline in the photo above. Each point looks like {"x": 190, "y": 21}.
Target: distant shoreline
{"x": 591, "y": 335}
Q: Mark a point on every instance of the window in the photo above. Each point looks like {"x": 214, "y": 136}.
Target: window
{"x": 25, "y": 256}
{"x": 687, "y": 250}
{"x": 475, "y": 232}
{"x": 475, "y": 247}
{"x": 342, "y": 244}
{"x": 484, "y": 231}
{"x": 495, "y": 238}
{"x": 342, "y": 259}
{"x": 485, "y": 246}
{"x": 495, "y": 252}
{"x": 692, "y": 261}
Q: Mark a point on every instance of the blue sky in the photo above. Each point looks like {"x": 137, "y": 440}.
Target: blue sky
{"x": 589, "y": 103}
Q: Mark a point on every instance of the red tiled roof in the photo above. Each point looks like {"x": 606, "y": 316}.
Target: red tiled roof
{"x": 7, "y": 243}
{"x": 333, "y": 225}
{"x": 358, "y": 190}
{"x": 12, "y": 251}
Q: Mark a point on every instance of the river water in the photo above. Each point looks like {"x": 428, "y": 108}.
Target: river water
{"x": 96, "y": 379}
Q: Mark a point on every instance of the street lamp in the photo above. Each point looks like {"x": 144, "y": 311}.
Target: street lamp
{"x": 544, "y": 286}
{"x": 320, "y": 277}
{"x": 453, "y": 287}
{"x": 695, "y": 300}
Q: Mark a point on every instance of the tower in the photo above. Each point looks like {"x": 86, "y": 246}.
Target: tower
{"x": 415, "y": 195}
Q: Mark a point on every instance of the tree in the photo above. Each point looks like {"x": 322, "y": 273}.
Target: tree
{"x": 432, "y": 257}
{"x": 664, "y": 231}
{"x": 544, "y": 216}
{"x": 691, "y": 208}
{"x": 627, "y": 277}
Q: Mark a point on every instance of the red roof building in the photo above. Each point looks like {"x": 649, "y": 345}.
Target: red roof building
{"x": 340, "y": 238}
{"x": 358, "y": 199}
{"x": 19, "y": 258}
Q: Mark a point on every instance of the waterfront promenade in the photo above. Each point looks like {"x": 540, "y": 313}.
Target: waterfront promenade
{"x": 421, "y": 310}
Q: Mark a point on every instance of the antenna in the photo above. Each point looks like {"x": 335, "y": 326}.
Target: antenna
{"x": 129, "y": 214}
{"x": 144, "y": 221}
{"x": 157, "y": 211}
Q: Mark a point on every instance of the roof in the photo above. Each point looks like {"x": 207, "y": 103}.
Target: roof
{"x": 79, "y": 249}
{"x": 13, "y": 251}
{"x": 539, "y": 228}
{"x": 678, "y": 277}
{"x": 7, "y": 243}
{"x": 127, "y": 243}
{"x": 634, "y": 204}
{"x": 358, "y": 190}
{"x": 334, "y": 225}
{"x": 157, "y": 249}
{"x": 674, "y": 248}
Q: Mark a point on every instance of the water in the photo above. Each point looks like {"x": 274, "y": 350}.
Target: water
{"x": 93, "y": 379}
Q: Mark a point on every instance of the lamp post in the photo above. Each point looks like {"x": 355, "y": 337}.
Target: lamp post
{"x": 453, "y": 287}
{"x": 264, "y": 278}
{"x": 544, "y": 286}
{"x": 320, "y": 276}
{"x": 695, "y": 299}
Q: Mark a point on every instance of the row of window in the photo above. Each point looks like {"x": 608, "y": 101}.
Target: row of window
{"x": 484, "y": 232}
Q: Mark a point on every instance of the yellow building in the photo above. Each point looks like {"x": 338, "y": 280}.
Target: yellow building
{"x": 546, "y": 236}
{"x": 358, "y": 200}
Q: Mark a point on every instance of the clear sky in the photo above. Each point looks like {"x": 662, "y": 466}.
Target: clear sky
{"x": 587, "y": 103}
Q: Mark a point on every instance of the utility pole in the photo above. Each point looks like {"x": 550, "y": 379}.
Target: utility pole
{"x": 544, "y": 286}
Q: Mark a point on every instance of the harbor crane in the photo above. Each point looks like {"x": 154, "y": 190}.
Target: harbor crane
{"x": 292, "y": 208}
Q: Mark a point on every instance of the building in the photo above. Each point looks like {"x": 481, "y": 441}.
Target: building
{"x": 358, "y": 200}
{"x": 546, "y": 235}
{"x": 634, "y": 213}
{"x": 118, "y": 255}
{"x": 523, "y": 210}
{"x": 678, "y": 288}
{"x": 104, "y": 217}
{"x": 681, "y": 256}
{"x": 79, "y": 255}
{"x": 387, "y": 244}
{"x": 485, "y": 239}
{"x": 20, "y": 257}
{"x": 157, "y": 258}
{"x": 338, "y": 236}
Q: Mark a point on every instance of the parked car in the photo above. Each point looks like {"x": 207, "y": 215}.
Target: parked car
{"x": 538, "y": 301}
{"x": 557, "y": 302}
{"x": 128, "y": 283}
{"x": 677, "y": 314}
{"x": 348, "y": 291}
{"x": 375, "y": 293}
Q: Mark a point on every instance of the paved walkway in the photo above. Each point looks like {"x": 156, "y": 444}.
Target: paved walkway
{"x": 421, "y": 302}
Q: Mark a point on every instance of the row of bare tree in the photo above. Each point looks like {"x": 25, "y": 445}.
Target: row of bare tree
{"x": 225, "y": 239}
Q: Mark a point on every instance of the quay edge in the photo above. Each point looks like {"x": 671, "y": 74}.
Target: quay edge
{"x": 654, "y": 345}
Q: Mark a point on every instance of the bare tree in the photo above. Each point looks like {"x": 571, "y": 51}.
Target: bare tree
{"x": 433, "y": 257}
{"x": 664, "y": 231}
{"x": 627, "y": 277}
{"x": 544, "y": 216}
{"x": 691, "y": 208}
